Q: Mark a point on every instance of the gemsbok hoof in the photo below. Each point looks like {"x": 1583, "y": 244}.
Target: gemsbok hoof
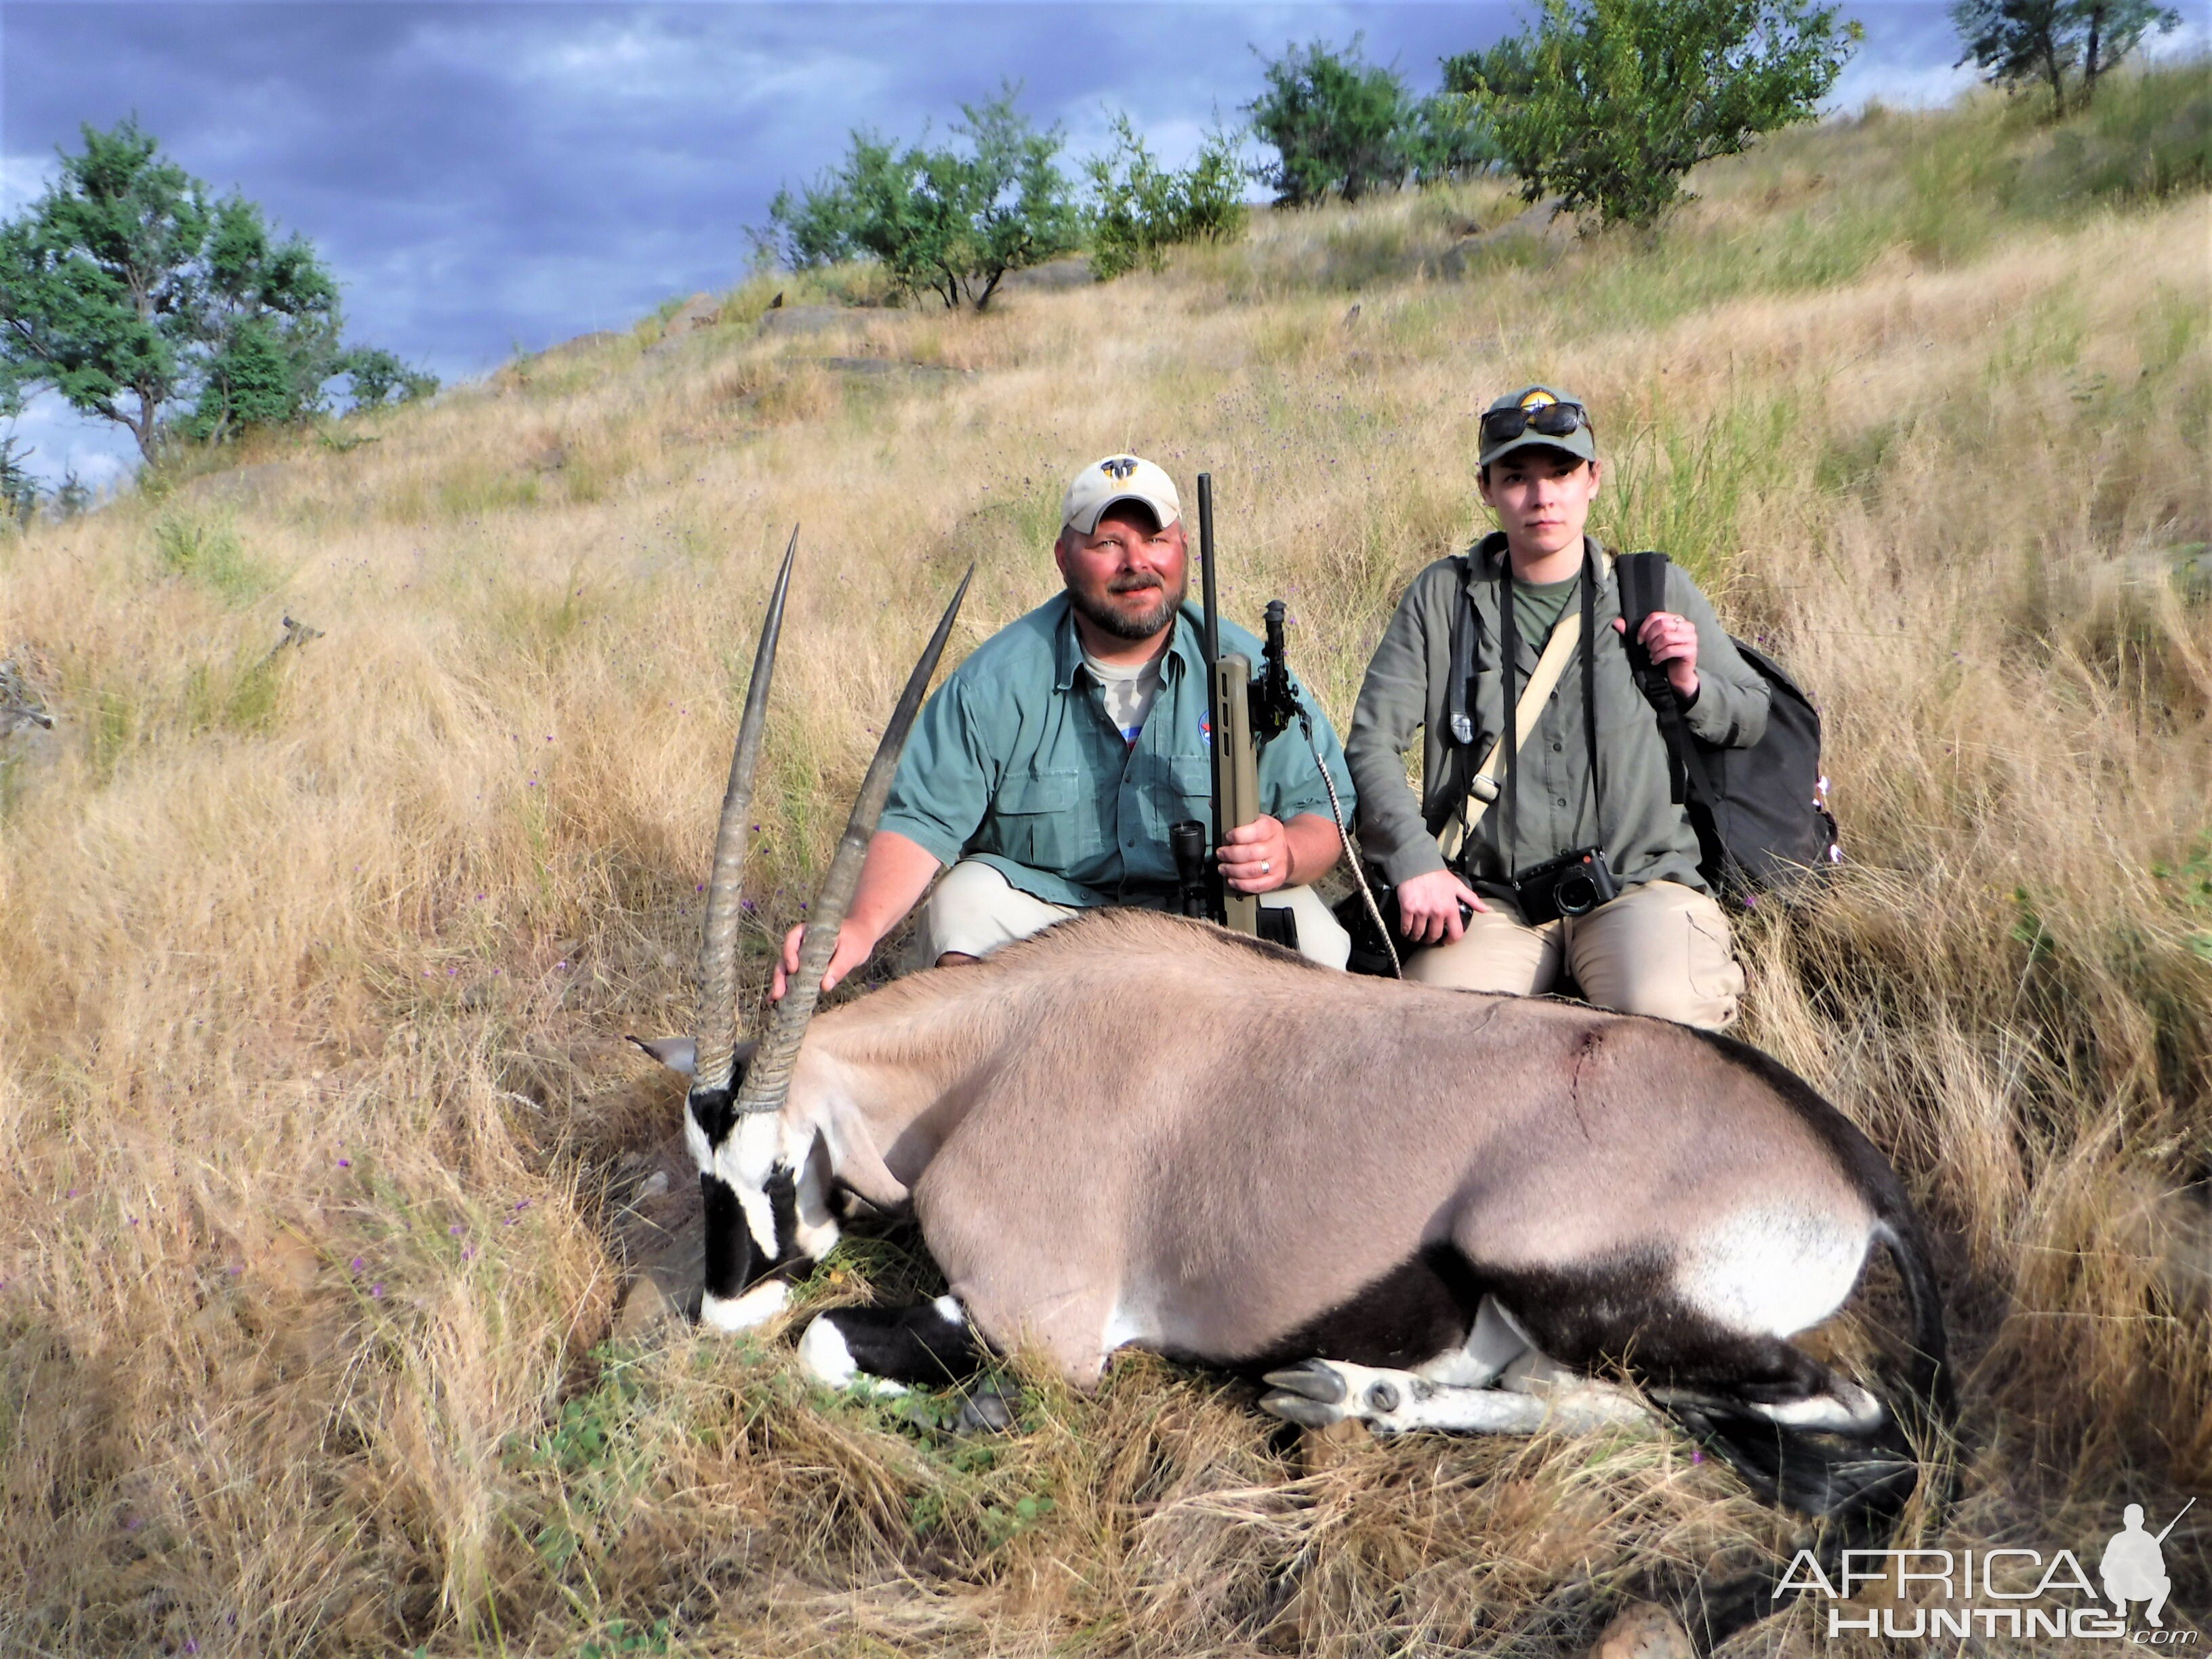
{"x": 986, "y": 1411}
{"x": 1316, "y": 1379}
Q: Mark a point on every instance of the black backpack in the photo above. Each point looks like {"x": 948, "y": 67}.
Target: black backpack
{"x": 1761, "y": 814}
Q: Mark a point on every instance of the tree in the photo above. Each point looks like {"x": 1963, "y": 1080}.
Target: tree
{"x": 1139, "y": 209}
{"x": 1628, "y": 95}
{"x": 1336, "y": 124}
{"x": 1446, "y": 135}
{"x": 98, "y": 280}
{"x": 378, "y": 378}
{"x": 129, "y": 291}
{"x": 937, "y": 220}
{"x": 1507, "y": 70}
{"x": 19, "y": 490}
{"x": 2017, "y": 43}
{"x": 269, "y": 316}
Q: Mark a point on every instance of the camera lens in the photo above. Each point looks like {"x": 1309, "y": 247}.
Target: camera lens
{"x": 1575, "y": 895}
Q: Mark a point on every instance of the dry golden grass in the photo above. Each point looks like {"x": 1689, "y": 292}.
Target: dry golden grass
{"x": 316, "y": 964}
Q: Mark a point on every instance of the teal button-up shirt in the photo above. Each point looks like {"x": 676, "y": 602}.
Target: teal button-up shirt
{"x": 1016, "y": 762}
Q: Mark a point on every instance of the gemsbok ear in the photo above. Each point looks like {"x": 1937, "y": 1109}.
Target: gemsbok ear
{"x": 679, "y": 1055}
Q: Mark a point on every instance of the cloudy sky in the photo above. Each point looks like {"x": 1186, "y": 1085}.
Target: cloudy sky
{"x": 488, "y": 178}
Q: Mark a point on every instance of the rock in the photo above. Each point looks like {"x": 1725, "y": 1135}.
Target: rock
{"x": 666, "y": 1288}
{"x": 581, "y": 343}
{"x": 1074, "y": 272}
{"x": 878, "y": 365}
{"x": 700, "y": 311}
{"x": 803, "y": 319}
{"x": 1644, "y": 1630}
{"x": 1542, "y": 223}
{"x": 1324, "y": 1448}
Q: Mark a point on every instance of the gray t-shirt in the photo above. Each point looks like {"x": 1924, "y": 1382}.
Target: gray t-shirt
{"x": 1128, "y": 692}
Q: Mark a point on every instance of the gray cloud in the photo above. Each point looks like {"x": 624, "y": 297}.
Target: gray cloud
{"x": 482, "y": 176}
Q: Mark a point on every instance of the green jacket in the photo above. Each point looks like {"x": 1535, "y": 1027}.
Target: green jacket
{"x": 1016, "y": 762}
{"x": 1646, "y": 836}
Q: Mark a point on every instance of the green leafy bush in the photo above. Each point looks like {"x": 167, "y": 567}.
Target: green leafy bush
{"x": 1625, "y": 97}
{"x": 939, "y": 220}
{"x": 379, "y": 378}
{"x": 1335, "y": 122}
{"x": 1139, "y": 209}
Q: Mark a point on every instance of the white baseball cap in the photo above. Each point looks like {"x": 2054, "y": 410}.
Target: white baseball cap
{"x": 1118, "y": 478}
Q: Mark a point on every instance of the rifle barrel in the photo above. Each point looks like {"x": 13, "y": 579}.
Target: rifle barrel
{"x": 2176, "y": 1521}
{"x": 1205, "y": 566}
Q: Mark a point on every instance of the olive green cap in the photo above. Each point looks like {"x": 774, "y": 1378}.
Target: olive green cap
{"x": 1580, "y": 441}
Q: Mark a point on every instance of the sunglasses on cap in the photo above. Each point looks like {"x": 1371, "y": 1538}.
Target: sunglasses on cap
{"x": 1502, "y": 426}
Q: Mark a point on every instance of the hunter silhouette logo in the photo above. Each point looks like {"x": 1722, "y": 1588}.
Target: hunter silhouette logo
{"x": 1537, "y": 400}
{"x": 1119, "y": 468}
{"x": 2022, "y": 1594}
{"x": 2133, "y": 1567}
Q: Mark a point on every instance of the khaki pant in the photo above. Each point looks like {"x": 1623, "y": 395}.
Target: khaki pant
{"x": 1660, "y": 948}
{"x": 974, "y": 910}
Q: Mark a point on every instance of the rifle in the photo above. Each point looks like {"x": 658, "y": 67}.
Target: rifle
{"x": 1243, "y": 714}
{"x": 1229, "y": 711}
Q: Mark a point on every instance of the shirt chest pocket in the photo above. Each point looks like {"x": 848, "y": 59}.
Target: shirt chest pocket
{"x": 1190, "y": 779}
{"x": 1043, "y": 820}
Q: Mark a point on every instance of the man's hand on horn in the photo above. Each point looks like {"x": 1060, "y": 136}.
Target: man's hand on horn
{"x": 852, "y": 947}
{"x": 898, "y": 873}
{"x": 1673, "y": 643}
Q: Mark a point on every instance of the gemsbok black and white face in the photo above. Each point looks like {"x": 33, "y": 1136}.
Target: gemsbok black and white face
{"x": 763, "y": 1178}
{"x": 764, "y": 1189}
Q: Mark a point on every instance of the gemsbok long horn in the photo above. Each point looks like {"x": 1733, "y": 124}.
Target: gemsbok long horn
{"x": 768, "y": 1079}
{"x": 718, "y": 947}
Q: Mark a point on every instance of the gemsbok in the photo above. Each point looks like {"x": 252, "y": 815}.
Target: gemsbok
{"x": 1424, "y": 1208}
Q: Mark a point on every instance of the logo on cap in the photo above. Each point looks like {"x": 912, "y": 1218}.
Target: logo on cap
{"x": 1537, "y": 398}
{"x": 1120, "y": 467}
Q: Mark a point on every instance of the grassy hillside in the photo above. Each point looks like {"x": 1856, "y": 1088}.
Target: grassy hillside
{"x": 322, "y": 1153}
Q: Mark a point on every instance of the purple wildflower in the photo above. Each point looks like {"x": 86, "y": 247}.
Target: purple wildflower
{"x": 376, "y": 1290}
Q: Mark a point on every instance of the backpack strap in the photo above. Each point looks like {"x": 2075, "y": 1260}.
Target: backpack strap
{"x": 1643, "y": 578}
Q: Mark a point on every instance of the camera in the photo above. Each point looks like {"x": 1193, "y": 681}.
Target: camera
{"x": 1572, "y": 884}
